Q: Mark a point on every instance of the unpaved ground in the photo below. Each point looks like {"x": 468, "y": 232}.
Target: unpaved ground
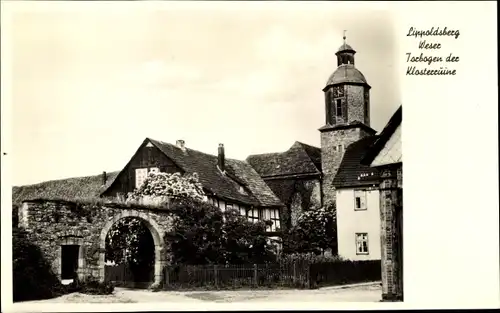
{"x": 356, "y": 293}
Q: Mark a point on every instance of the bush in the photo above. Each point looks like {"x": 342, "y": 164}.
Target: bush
{"x": 33, "y": 277}
{"x": 309, "y": 258}
{"x": 94, "y": 287}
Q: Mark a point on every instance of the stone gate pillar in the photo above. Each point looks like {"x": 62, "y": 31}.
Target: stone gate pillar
{"x": 391, "y": 233}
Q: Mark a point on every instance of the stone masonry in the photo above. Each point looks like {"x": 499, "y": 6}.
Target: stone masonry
{"x": 331, "y": 156}
{"x": 391, "y": 233}
{"x": 51, "y": 224}
{"x": 356, "y": 100}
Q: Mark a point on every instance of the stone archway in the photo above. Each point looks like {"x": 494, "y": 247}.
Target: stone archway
{"x": 156, "y": 233}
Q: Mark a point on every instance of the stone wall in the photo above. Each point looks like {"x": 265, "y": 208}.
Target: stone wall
{"x": 331, "y": 156}
{"x": 51, "y": 224}
{"x": 356, "y": 103}
{"x": 391, "y": 210}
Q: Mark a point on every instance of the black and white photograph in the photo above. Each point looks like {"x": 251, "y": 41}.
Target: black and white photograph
{"x": 206, "y": 154}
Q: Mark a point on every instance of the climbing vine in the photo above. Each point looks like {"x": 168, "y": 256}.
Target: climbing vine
{"x": 163, "y": 186}
{"x": 129, "y": 241}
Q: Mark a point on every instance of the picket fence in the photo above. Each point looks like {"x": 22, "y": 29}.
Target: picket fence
{"x": 285, "y": 274}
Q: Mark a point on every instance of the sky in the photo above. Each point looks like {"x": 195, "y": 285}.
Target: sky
{"x": 89, "y": 86}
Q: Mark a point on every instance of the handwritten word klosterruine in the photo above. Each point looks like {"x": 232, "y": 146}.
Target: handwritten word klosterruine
{"x": 429, "y": 59}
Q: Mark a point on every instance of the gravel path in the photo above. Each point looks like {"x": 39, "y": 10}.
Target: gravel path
{"x": 370, "y": 292}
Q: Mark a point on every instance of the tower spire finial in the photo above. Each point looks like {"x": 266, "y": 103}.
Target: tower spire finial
{"x": 344, "y": 35}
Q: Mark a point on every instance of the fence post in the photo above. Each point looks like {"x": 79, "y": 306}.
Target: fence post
{"x": 255, "y": 277}
{"x": 215, "y": 275}
{"x": 167, "y": 278}
{"x": 294, "y": 272}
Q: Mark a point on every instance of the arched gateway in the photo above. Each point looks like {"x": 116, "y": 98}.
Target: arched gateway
{"x": 156, "y": 232}
{"x": 72, "y": 236}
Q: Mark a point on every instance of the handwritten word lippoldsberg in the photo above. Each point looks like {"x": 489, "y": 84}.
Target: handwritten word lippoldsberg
{"x": 433, "y": 32}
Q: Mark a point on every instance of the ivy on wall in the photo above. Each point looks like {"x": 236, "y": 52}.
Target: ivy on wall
{"x": 285, "y": 189}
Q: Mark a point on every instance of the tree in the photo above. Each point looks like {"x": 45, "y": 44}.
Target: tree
{"x": 196, "y": 236}
{"x": 315, "y": 232}
{"x": 202, "y": 234}
{"x": 246, "y": 242}
{"x": 33, "y": 276}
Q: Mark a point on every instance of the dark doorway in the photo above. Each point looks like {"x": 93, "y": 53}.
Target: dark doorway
{"x": 69, "y": 261}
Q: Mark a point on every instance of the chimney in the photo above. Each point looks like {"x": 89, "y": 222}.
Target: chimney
{"x": 221, "y": 158}
{"x": 181, "y": 145}
{"x": 104, "y": 178}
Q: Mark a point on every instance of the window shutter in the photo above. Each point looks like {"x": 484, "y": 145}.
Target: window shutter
{"x": 363, "y": 199}
{"x": 140, "y": 175}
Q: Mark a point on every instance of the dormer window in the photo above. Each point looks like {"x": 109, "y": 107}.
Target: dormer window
{"x": 242, "y": 190}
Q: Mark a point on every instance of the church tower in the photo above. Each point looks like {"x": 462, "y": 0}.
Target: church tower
{"x": 347, "y": 107}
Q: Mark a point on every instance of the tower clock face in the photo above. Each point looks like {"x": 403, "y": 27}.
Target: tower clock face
{"x": 338, "y": 91}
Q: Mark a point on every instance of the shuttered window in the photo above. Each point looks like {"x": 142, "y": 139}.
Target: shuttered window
{"x": 360, "y": 200}
{"x": 140, "y": 176}
{"x": 142, "y": 173}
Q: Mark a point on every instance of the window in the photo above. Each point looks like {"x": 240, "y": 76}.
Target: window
{"x": 360, "y": 200}
{"x": 222, "y": 206}
{"x": 338, "y": 107}
{"x": 361, "y": 243}
{"x": 241, "y": 189}
{"x": 275, "y": 218}
{"x": 253, "y": 215}
{"x": 272, "y": 215}
{"x": 340, "y": 148}
{"x": 140, "y": 176}
{"x": 243, "y": 211}
{"x": 229, "y": 206}
{"x": 142, "y": 173}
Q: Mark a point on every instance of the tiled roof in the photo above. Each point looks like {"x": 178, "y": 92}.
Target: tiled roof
{"x": 225, "y": 185}
{"x": 70, "y": 188}
{"x": 384, "y": 136}
{"x": 299, "y": 159}
{"x": 351, "y": 172}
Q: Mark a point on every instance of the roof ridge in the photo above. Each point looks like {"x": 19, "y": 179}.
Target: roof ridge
{"x": 265, "y": 154}
{"x": 310, "y": 159}
{"x": 305, "y": 144}
{"x": 196, "y": 151}
{"x": 60, "y": 179}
